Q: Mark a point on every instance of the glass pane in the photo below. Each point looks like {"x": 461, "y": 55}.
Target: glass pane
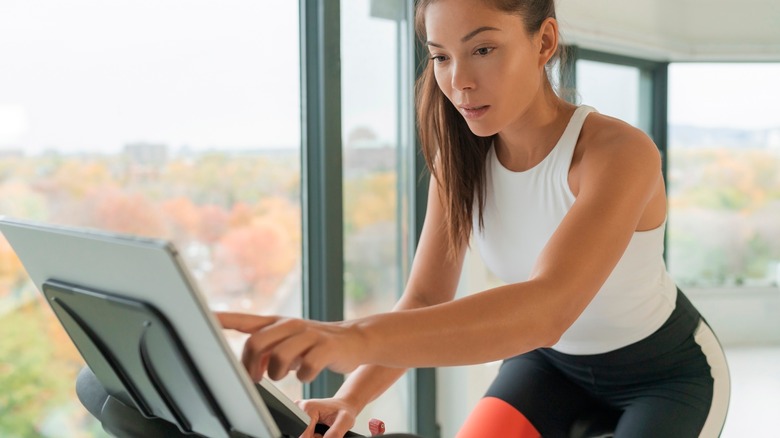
{"x": 612, "y": 89}
{"x": 168, "y": 119}
{"x": 724, "y": 184}
{"x": 374, "y": 97}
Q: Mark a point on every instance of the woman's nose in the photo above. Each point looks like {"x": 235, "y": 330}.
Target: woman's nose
{"x": 462, "y": 77}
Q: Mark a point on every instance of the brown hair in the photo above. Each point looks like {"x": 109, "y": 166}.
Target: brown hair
{"x": 455, "y": 156}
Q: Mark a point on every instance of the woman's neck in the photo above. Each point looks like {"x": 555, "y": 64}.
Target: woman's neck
{"x": 527, "y": 141}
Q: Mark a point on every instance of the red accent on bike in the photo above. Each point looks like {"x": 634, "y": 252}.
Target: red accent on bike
{"x": 376, "y": 427}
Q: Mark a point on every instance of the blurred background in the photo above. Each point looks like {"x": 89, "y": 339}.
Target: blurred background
{"x": 183, "y": 120}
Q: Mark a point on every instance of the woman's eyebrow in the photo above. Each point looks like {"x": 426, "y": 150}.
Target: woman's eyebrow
{"x": 476, "y": 31}
{"x": 466, "y": 37}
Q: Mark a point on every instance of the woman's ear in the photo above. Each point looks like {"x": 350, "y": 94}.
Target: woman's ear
{"x": 548, "y": 40}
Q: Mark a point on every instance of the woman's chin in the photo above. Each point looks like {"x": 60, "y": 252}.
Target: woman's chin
{"x": 480, "y": 130}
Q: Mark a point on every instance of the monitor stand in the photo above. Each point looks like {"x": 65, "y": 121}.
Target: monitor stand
{"x": 137, "y": 356}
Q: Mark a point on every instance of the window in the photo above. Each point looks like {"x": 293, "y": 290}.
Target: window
{"x": 724, "y": 188}
{"x": 600, "y": 84}
{"x": 174, "y": 119}
{"x": 621, "y": 91}
{"x": 376, "y": 103}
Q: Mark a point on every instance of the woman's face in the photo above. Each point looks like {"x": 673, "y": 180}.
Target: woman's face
{"x": 484, "y": 61}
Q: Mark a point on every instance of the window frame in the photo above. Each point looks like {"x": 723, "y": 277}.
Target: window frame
{"x": 653, "y": 88}
{"x": 321, "y": 173}
{"x": 321, "y": 188}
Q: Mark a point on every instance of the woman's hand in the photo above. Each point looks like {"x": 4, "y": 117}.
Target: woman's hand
{"x": 279, "y": 345}
{"x": 336, "y": 413}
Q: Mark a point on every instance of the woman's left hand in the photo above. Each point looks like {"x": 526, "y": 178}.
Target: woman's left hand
{"x": 279, "y": 345}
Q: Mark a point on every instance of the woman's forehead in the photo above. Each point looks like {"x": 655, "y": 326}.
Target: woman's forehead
{"x": 450, "y": 9}
{"x": 457, "y": 19}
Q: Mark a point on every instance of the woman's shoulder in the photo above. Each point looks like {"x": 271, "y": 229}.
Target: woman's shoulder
{"x": 606, "y": 137}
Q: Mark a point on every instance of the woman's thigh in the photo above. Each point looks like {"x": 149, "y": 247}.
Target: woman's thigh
{"x": 692, "y": 404}
{"x": 653, "y": 416}
{"x": 528, "y": 389}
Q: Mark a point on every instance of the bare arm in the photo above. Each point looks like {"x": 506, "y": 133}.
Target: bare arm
{"x": 619, "y": 175}
{"x": 618, "y": 178}
{"x": 433, "y": 280}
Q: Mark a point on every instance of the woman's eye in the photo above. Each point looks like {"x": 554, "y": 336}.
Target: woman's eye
{"x": 438, "y": 58}
{"x": 482, "y": 51}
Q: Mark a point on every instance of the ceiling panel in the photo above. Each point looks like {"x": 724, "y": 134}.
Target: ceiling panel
{"x": 675, "y": 30}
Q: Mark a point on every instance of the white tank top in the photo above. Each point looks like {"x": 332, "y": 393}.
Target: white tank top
{"x": 523, "y": 209}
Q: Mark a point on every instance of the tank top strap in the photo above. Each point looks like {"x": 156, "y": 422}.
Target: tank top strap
{"x": 564, "y": 150}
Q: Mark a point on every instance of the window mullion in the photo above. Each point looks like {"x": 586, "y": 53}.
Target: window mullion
{"x": 323, "y": 249}
{"x": 422, "y": 380}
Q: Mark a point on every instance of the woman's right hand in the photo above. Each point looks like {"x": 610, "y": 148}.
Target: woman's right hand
{"x": 336, "y": 413}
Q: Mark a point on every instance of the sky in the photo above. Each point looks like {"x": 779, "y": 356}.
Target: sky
{"x": 725, "y": 95}
{"x": 93, "y": 75}
{"x": 721, "y": 95}
{"x": 87, "y": 74}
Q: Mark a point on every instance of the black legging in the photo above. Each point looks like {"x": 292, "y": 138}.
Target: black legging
{"x": 674, "y": 383}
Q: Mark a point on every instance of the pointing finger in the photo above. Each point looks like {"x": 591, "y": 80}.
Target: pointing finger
{"x": 244, "y": 322}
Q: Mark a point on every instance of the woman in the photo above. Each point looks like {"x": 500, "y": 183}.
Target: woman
{"x": 568, "y": 207}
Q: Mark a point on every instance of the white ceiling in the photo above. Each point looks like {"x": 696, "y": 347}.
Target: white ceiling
{"x": 675, "y": 30}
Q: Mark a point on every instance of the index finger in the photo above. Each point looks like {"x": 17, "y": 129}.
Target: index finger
{"x": 309, "y": 432}
{"x": 244, "y": 322}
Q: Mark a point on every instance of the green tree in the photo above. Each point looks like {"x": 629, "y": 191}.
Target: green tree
{"x": 37, "y": 372}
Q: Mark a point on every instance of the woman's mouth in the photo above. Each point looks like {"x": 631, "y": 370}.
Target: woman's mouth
{"x": 474, "y": 112}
